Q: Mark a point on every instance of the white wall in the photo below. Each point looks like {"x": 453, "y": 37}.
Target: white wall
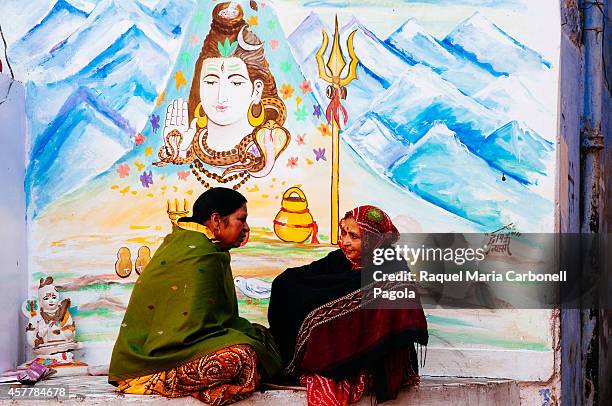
{"x": 13, "y": 259}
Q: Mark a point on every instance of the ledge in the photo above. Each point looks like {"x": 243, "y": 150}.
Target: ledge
{"x": 94, "y": 390}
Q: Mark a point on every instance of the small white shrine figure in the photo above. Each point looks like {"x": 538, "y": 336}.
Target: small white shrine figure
{"x": 50, "y": 330}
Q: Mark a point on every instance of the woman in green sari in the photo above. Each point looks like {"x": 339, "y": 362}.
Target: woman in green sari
{"x": 181, "y": 334}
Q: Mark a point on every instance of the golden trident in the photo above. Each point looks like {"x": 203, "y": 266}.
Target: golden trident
{"x": 336, "y": 91}
{"x": 175, "y": 211}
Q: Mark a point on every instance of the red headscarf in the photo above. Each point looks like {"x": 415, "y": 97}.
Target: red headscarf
{"x": 376, "y": 229}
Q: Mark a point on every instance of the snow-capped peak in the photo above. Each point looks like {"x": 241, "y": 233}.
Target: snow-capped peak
{"x": 438, "y": 134}
{"x": 410, "y": 29}
{"x": 439, "y": 131}
{"x": 84, "y": 6}
{"x": 490, "y": 46}
{"x": 305, "y": 38}
{"x": 352, "y": 24}
{"x": 478, "y": 20}
{"x": 311, "y": 21}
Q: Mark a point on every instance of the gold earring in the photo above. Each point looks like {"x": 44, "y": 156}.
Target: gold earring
{"x": 256, "y": 121}
{"x": 202, "y": 119}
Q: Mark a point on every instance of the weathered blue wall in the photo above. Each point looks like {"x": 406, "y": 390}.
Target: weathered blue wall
{"x": 13, "y": 259}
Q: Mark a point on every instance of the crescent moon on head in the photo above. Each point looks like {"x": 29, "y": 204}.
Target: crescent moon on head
{"x": 244, "y": 45}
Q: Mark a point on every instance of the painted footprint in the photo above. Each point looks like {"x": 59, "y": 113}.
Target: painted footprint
{"x": 123, "y": 266}
{"x": 143, "y": 259}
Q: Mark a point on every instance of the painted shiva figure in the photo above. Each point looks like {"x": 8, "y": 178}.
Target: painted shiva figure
{"x": 233, "y": 120}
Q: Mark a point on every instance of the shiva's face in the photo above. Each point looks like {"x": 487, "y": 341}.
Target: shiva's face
{"x": 226, "y": 90}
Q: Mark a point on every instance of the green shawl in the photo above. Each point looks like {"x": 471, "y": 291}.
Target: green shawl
{"x": 184, "y": 307}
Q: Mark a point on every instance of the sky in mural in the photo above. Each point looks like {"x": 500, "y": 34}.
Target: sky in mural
{"x": 451, "y": 125}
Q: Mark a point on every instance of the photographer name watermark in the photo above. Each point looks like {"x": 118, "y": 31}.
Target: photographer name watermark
{"x": 504, "y": 269}
{"x": 470, "y": 276}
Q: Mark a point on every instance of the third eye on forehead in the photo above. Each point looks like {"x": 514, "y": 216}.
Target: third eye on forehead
{"x": 223, "y": 66}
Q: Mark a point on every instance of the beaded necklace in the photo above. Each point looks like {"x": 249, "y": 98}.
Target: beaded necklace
{"x": 197, "y": 166}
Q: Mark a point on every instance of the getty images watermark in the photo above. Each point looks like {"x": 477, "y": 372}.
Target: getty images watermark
{"x": 504, "y": 269}
{"x": 458, "y": 256}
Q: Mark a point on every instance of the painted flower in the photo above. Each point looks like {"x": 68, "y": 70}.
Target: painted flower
{"x": 305, "y": 87}
{"x": 155, "y": 122}
{"x": 325, "y": 130}
{"x": 198, "y": 17}
{"x": 316, "y": 110}
{"x": 123, "y": 170}
{"x": 146, "y": 178}
{"x": 252, "y": 20}
{"x": 185, "y": 56}
{"x": 180, "y": 80}
{"x": 148, "y": 151}
{"x": 319, "y": 154}
{"x": 182, "y": 175}
{"x": 285, "y": 66}
{"x": 300, "y": 139}
{"x": 301, "y": 114}
{"x": 160, "y": 99}
{"x": 274, "y": 44}
{"x": 292, "y": 162}
{"x": 139, "y": 139}
{"x": 286, "y": 91}
{"x": 194, "y": 40}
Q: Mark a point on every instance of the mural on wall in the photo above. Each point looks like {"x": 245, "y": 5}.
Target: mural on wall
{"x": 450, "y": 126}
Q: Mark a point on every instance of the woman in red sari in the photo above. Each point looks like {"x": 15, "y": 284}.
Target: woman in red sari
{"x": 329, "y": 340}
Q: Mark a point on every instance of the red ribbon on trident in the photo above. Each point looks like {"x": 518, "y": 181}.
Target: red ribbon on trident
{"x": 334, "y": 108}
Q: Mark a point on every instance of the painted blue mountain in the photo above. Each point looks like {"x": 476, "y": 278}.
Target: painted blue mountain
{"x": 109, "y": 20}
{"x": 69, "y": 153}
{"x": 128, "y": 58}
{"x": 517, "y": 150}
{"x": 47, "y": 34}
{"x": 511, "y": 97}
{"x": 170, "y": 15}
{"x": 413, "y": 42}
{"x": 124, "y": 76}
{"x": 421, "y": 97}
{"x": 493, "y": 49}
{"x": 306, "y": 39}
{"x": 126, "y": 80}
{"x": 441, "y": 169}
{"x": 426, "y": 92}
{"x": 382, "y": 61}
{"x": 375, "y": 143}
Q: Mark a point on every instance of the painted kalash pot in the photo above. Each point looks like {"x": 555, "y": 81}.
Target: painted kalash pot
{"x": 50, "y": 330}
{"x": 294, "y": 222}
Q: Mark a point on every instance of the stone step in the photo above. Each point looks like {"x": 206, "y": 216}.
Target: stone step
{"x": 94, "y": 390}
